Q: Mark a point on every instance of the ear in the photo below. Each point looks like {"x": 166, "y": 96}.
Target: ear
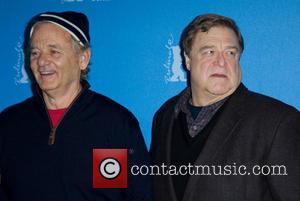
{"x": 187, "y": 61}
{"x": 84, "y": 59}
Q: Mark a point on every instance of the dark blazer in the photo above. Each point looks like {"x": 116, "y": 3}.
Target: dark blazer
{"x": 251, "y": 130}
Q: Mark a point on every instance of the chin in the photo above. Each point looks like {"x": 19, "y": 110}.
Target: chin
{"x": 47, "y": 86}
{"x": 220, "y": 90}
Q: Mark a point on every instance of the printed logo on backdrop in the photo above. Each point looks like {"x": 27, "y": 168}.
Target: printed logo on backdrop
{"x": 21, "y": 76}
{"x": 175, "y": 71}
{"x": 80, "y": 1}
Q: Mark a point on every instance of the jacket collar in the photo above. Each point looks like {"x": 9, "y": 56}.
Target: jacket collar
{"x": 38, "y": 96}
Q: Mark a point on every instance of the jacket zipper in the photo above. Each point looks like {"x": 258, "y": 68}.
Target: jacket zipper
{"x": 52, "y": 134}
{"x": 51, "y": 139}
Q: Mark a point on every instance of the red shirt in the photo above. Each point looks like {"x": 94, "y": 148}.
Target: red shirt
{"x": 56, "y": 115}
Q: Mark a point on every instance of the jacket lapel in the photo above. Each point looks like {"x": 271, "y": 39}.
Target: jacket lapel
{"x": 222, "y": 131}
{"x": 168, "y": 147}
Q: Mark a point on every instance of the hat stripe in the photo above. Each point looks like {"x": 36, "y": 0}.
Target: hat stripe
{"x": 68, "y": 22}
{"x": 74, "y": 35}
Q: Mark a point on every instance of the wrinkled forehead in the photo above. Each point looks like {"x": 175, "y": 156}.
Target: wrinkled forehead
{"x": 220, "y": 34}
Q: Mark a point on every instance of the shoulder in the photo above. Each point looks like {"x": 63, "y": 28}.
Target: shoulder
{"x": 17, "y": 110}
{"x": 168, "y": 106}
{"x": 272, "y": 110}
{"x": 268, "y": 104}
{"x": 110, "y": 108}
{"x": 167, "y": 109}
{"x": 262, "y": 109}
{"x": 117, "y": 121}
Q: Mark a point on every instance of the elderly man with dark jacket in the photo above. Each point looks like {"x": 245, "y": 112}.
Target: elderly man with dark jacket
{"x": 47, "y": 142}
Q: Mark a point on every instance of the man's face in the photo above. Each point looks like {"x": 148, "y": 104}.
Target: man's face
{"x": 214, "y": 63}
{"x": 54, "y": 62}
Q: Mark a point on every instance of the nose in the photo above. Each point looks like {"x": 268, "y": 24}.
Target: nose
{"x": 220, "y": 59}
{"x": 43, "y": 59}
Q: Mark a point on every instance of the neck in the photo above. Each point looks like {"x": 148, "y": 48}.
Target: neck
{"x": 59, "y": 100}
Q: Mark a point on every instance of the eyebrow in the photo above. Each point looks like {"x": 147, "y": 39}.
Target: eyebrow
{"x": 206, "y": 47}
{"x": 55, "y": 46}
{"x": 233, "y": 47}
{"x": 212, "y": 46}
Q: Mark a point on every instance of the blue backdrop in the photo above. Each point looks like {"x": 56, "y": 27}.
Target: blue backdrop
{"x": 135, "y": 55}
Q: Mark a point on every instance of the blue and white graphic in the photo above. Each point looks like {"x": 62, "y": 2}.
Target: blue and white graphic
{"x": 175, "y": 72}
{"x": 21, "y": 76}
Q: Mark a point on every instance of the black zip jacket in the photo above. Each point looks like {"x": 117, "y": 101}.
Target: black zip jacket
{"x": 34, "y": 170}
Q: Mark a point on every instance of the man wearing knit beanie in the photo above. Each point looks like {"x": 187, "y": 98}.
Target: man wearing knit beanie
{"x": 52, "y": 143}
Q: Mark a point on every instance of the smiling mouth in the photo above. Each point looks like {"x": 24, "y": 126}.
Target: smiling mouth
{"x": 47, "y": 73}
